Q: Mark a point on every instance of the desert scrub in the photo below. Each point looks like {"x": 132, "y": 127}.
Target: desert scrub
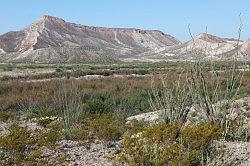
{"x": 15, "y": 144}
{"x": 174, "y": 98}
{"x": 238, "y": 129}
{"x": 166, "y": 144}
{"x": 7, "y": 115}
{"x": 200, "y": 136}
{"x": 112, "y": 127}
{"x": 51, "y": 135}
{"x": 45, "y": 121}
{"x": 106, "y": 127}
{"x": 96, "y": 107}
{"x": 75, "y": 133}
{"x": 23, "y": 147}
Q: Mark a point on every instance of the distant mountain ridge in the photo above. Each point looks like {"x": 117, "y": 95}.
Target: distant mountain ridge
{"x": 203, "y": 46}
{"x": 53, "y": 40}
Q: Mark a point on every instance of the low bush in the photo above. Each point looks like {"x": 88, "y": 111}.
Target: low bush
{"x": 107, "y": 130}
{"x": 45, "y": 121}
{"x": 50, "y": 136}
{"x": 15, "y": 144}
{"x": 200, "y": 136}
{"x": 168, "y": 144}
{"x": 96, "y": 107}
{"x": 75, "y": 133}
{"x": 23, "y": 147}
{"x": 107, "y": 127}
{"x": 6, "y": 115}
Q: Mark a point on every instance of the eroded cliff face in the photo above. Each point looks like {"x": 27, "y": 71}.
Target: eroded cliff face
{"x": 202, "y": 46}
{"x": 53, "y": 39}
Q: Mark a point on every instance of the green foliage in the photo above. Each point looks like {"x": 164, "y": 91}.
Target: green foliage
{"x": 58, "y": 70}
{"x": 6, "y": 115}
{"x": 23, "y": 147}
{"x": 75, "y": 133}
{"x": 136, "y": 126}
{"x": 14, "y": 145}
{"x": 50, "y": 136}
{"x": 7, "y": 67}
{"x": 106, "y": 127}
{"x": 96, "y": 106}
{"x": 168, "y": 144}
{"x": 4, "y": 87}
{"x": 200, "y": 136}
{"x": 174, "y": 98}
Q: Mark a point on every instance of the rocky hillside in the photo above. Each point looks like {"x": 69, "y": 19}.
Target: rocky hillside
{"x": 52, "y": 40}
{"x": 201, "y": 46}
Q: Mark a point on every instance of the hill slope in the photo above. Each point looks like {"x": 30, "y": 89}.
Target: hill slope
{"x": 201, "y": 46}
{"x": 52, "y": 40}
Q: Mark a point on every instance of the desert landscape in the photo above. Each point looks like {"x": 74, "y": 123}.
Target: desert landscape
{"x": 79, "y": 95}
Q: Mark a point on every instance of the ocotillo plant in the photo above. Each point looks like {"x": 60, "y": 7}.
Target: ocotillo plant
{"x": 174, "y": 99}
{"x": 67, "y": 101}
{"x": 209, "y": 89}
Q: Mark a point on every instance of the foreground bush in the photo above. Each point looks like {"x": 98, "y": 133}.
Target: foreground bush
{"x": 105, "y": 127}
{"x": 165, "y": 144}
{"x": 7, "y": 115}
{"x": 23, "y": 147}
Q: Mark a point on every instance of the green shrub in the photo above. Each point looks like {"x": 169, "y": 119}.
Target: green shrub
{"x": 96, "y": 107}
{"x": 15, "y": 145}
{"x": 58, "y": 70}
{"x": 8, "y": 68}
{"x": 75, "y": 133}
{"x": 200, "y": 136}
{"x": 6, "y": 115}
{"x": 4, "y": 87}
{"x": 50, "y": 136}
{"x": 23, "y": 147}
{"x": 106, "y": 127}
{"x": 44, "y": 122}
{"x": 167, "y": 144}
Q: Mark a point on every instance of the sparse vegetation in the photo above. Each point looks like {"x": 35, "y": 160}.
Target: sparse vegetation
{"x": 168, "y": 144}
{"x": 22, "y": 147}
{"x": 96, "y": 108}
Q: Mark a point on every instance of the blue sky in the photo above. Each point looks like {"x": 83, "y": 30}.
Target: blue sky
{"x": 169, "y": 16}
